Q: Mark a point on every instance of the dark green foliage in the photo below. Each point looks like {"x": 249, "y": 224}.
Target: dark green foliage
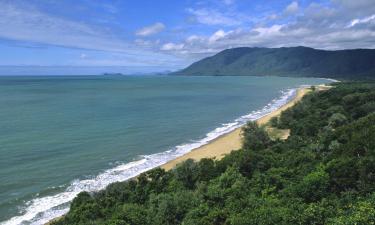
{"x": 129, "y": 214}
{"x": 274, "y": 121}
{"x": 170, "y": 208}
{"x": 314, "y": 186}
{"x": 324, "y": 173}
{"x": 255, "y": 138}
{"x": 186, "y": 173}
{"x": 293, "y": 61}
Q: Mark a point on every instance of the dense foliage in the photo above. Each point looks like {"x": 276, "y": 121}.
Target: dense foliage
{"x": 324, "y": 173}
{"x": 294, "y": 61}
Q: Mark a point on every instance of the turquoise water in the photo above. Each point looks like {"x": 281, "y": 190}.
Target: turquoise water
{"x": 61, "y": 135}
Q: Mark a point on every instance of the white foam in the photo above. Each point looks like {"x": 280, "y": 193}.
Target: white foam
{"x": 43, "y": 209}
{"x": 332, "y": 80}
{"x": 329, "y": 79}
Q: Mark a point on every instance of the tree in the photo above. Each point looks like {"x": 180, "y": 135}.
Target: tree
{"x": 336, "y": 120}
{"x": 255, "y": 138}
{"x": 187, "y": 173}
{"x": 313, "y": 186}
{"x": 130, "y": 214}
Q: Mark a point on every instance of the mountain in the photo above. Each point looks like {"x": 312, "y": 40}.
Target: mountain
{"x": 291, "y": 61}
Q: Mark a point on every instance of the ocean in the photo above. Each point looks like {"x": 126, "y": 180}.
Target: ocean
{"x": 60, "y": 135}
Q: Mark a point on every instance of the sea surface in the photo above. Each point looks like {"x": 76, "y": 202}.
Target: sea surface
{"x": 60, "y": 135}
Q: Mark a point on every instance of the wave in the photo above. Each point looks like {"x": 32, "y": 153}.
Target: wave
{"x": 330, "y": 80}
{"x": 43, "y": 209}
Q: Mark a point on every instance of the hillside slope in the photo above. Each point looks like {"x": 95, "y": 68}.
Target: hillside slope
{"x": 293, "y": 61}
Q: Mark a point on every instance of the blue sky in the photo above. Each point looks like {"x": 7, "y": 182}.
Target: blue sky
{"x": 147, "y": 35}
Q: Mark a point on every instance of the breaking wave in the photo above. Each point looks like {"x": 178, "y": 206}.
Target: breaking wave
{"x": 40, "y": 210}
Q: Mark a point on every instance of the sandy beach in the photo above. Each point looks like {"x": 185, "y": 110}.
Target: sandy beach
{"x": 231, "y": 141}
{"x": 226, "y": 143}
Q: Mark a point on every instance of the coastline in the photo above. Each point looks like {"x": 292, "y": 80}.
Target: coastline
{"x": 231, "y": 141}
{"x": 225, "y": 143}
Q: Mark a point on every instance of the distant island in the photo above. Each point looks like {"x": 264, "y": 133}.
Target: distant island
{"x": 286, "y": 61}
{"x": 113, "y": 74}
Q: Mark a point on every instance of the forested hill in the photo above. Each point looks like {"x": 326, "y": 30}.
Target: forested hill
{"x": 324, "y": 173}
{"x": 293, "y": 61}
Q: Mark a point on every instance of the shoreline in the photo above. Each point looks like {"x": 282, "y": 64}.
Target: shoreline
{"x": 224, "y": 144}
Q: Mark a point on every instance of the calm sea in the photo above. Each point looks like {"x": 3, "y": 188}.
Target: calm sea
{"x": 65, "y": 134}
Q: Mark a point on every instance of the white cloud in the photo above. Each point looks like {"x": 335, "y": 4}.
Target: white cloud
{"x": 213, "y": 17}
{"x": 292, "y": 8}
{"x": 150, "y": 30}
{"x": 25, "y": 23}
{"x": 29, "y": 25}
{"x": 216, "y": 36}
{"x": 172, "y": 47}
{"x": 194, "y": 38}
{"x": 220, "y": 34}
{"x": 323, "y": 26}
{"x": 300, "y": 33}
{"x": 83, "y": 56}
{"x": 337, "y": 25}
{"x": 362, "y": 21}
{"x": 269, "y": 31}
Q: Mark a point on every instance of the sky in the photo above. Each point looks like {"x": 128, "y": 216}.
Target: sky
{"x": 148, "y": 35}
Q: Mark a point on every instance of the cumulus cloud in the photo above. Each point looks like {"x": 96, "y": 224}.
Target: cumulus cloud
{"x": 216, "y": 36}
{"x": 330, "y": 24}
{"x": 323, "y": 26}
{"x": 150, "y": 30}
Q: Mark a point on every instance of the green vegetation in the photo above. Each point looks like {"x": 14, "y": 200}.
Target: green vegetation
{"x": 324, "y": 173}
{"x": 294, "y": 61}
